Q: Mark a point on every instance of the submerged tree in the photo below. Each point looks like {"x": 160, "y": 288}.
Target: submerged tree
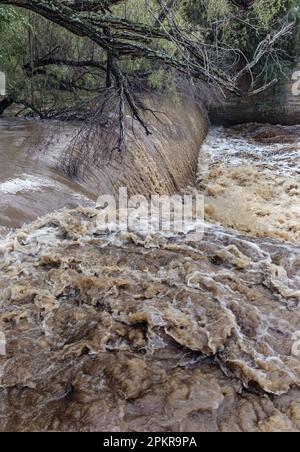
{"x": 132, "y": 38}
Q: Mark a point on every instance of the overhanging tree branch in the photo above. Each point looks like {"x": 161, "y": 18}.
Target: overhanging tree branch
{"x": 127, "y": 38}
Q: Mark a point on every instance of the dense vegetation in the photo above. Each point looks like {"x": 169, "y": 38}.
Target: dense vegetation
{"x": 246, "y": 31}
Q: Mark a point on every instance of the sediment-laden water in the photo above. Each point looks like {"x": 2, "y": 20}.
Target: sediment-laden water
{"x": 132, "y": 332}
{"x": 31, "y": 183}
{"x": 251, "y": 178}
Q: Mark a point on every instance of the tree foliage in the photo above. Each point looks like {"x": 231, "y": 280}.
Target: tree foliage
{"x": 248, "y": 29}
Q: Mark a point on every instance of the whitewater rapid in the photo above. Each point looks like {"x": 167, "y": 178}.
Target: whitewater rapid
{"x": 250, "y": 177}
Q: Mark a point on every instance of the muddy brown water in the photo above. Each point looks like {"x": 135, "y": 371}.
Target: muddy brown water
{"x": 30, "y": 183}
{"x": 133, "y": 332}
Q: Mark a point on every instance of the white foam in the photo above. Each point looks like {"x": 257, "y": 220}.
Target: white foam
{"x": 219, "y": 146}
{"x": 24, "y": 184}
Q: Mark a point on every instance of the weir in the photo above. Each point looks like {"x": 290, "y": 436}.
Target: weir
{"x": 33, "y": 183}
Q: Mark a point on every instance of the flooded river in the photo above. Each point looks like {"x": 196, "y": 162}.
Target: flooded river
{"x": 133, "y": 332}
{"x": 30, "y": 183}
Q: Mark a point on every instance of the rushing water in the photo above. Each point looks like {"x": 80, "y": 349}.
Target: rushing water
{"x": 30, "y": 183}
{"x": 128, "y": 332}
{"x": 250, "y": 176}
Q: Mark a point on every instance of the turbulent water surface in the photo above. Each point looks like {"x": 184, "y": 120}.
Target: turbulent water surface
{"x": 127, "y": 332}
